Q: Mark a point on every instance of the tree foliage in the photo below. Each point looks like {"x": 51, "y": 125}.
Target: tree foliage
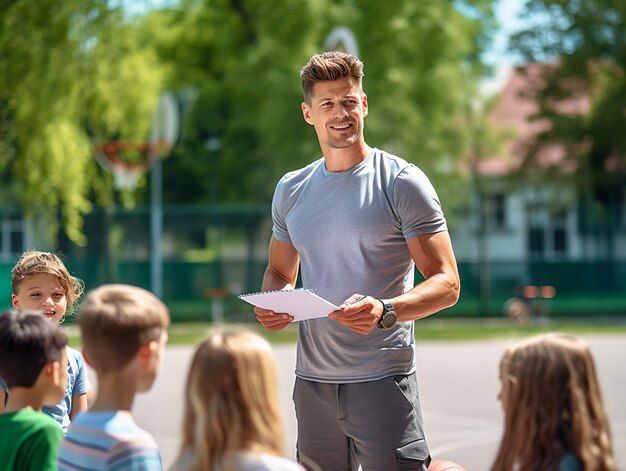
{"x": 71, "y": 73}
{"x": 74, "y": 73}
{"x": 585, "y": 44}
{"x": 243, "y": 57}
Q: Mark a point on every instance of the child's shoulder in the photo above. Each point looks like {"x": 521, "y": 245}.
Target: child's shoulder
{"x": 28, "y": 420}
{"x": 115, "y": 423}
{"x": 75, "y": 359}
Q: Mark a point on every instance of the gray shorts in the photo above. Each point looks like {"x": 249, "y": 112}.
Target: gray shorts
{"x": 375, "y": 424}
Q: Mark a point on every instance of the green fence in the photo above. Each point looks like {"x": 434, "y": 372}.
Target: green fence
{"x": 213, "y": 253}
{"x": 195, "y": 290}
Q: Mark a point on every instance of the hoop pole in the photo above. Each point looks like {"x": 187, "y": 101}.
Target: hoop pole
{"x": 156, "y": 228}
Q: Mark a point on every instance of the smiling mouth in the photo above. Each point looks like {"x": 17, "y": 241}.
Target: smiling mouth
{"x": 49, "y": 313}
{"x": 341, "y": 127}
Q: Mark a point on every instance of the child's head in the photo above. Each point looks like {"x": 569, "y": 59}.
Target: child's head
{"x": 231, "y": 398}
{"x": 116, "y": 322}
{"x": 41, "y": 282}
{"x": 33, "y": 349}
{"x": 553, "y": 405}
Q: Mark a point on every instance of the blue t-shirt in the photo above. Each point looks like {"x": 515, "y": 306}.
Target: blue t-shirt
{"x": 108, "y": 440}
{"x": 77, "y": 383}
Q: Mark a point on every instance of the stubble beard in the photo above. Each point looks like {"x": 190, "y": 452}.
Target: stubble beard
{"x": 347, "y": 141}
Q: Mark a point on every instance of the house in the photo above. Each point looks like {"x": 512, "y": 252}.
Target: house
{"x": 531, "y": 225}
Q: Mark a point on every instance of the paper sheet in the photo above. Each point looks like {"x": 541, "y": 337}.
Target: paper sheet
{"x": 301, "y": 303}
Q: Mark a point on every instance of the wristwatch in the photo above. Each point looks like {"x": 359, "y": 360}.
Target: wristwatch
{"x": 388, "y": 318}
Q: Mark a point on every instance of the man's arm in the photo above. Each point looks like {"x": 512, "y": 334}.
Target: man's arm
{"x": 434, "y": 258}
{"x": 281, "y": 273}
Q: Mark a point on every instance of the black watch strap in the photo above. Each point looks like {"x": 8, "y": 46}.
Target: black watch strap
{"x": 388, "y": 318}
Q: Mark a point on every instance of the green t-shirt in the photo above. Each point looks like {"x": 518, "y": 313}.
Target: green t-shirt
{"x": 30, "y": 440}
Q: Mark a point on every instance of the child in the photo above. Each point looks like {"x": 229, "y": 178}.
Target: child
{"x": 41, "y": 282}
{"x": 124, "y": 331}
{"x": 232, "y": 416}
{"x": 34, "y": 367}
{"x": 554, "y": 418}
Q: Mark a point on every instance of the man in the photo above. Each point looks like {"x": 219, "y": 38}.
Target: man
{"x": 357, "y": 222}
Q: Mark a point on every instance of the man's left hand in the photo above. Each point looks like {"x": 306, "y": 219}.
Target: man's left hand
{"x": 359, "y": 313}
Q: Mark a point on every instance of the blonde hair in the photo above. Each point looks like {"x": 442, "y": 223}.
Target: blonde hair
{"x": 33, "y": 262}
{"x": 553, "y": 407}
{"x": 116, "y": 320}
{"x": 231, "y": 401}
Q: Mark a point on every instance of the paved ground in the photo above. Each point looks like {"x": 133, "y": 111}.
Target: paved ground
{"x": 459, "y": 385}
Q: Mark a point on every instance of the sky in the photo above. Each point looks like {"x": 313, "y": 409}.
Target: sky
{"x": 507, "y": 12}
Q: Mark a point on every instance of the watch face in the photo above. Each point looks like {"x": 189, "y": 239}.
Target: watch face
{"x": 388, "y": 320}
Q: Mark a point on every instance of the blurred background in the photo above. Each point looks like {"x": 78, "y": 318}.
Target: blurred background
{"x": 142, "y": 140}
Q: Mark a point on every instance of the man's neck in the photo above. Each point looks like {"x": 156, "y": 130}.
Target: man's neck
{"x": 344, "y": 158}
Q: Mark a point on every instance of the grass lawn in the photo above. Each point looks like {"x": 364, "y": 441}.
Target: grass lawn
{"x": 432, "y": 329}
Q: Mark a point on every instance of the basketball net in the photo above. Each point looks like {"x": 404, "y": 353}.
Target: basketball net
{"x": 113, "y": 156}
{"x": 127, "y": 161}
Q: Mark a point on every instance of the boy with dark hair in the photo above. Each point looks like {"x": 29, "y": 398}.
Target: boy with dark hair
{"x": 124, "y": 331}
{"x": 34, "y": 369}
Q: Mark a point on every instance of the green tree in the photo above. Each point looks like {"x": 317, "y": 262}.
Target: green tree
{"x": 584, "y": 47}
{"x": 243, "y": 56}
{"x": 72, "y": 73}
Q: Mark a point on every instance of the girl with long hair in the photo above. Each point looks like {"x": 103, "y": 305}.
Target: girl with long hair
{"x": 554, "y": 416}
{"x": 232, "y": 416}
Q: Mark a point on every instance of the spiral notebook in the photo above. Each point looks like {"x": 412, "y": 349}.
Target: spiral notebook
{"x": 301, "y": 303}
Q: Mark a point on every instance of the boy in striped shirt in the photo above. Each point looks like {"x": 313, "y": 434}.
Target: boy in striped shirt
{"x": 124, "y": 331}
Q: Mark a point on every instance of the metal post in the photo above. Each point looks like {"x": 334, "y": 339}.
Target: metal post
{"x": 156, "y": 228}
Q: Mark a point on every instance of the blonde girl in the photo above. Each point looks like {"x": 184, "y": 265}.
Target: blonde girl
{"x": 41, "y": 282}
{"x": 554, "y": 417}
{"x": 232, "y": 416}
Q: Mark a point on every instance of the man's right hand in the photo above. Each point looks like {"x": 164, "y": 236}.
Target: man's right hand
{"x": 272, "y": 321}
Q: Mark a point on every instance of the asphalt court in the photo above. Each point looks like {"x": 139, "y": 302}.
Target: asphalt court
{"x": 458, "y": 384}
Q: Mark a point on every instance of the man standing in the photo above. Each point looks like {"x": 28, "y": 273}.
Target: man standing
{"x": 357, "y": 222}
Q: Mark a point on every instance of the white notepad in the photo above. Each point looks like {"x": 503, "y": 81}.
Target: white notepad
{"x": 301, "y": 303}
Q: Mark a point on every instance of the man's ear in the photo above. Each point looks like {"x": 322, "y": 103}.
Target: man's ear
{"x": 306, "y": 112}
{"x": 15, "y": 301}
{"x": 364, "y": 105}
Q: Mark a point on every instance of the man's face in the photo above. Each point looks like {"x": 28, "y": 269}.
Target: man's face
{"x": 337, "y": 110}
{"x": 41, "y": 292}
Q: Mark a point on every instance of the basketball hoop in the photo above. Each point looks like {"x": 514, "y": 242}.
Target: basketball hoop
{"x": 127, "y": 160}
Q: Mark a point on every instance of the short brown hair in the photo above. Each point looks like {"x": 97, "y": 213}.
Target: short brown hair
{"x": 34, "y": 262}
{"x": 329, "y": 66}
{"x": 116, "y": 320}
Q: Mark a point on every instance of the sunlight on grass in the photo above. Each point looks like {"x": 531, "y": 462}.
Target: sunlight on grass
{"x": 425, "y": 330}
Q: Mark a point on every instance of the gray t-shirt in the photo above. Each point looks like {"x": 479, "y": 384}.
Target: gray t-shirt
{"x": 350, "y": 229}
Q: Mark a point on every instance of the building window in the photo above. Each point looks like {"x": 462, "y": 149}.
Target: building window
{"x": 495, "y": 211}
{"x": 559, "y": 234}
{"x": 547, "y": 233}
